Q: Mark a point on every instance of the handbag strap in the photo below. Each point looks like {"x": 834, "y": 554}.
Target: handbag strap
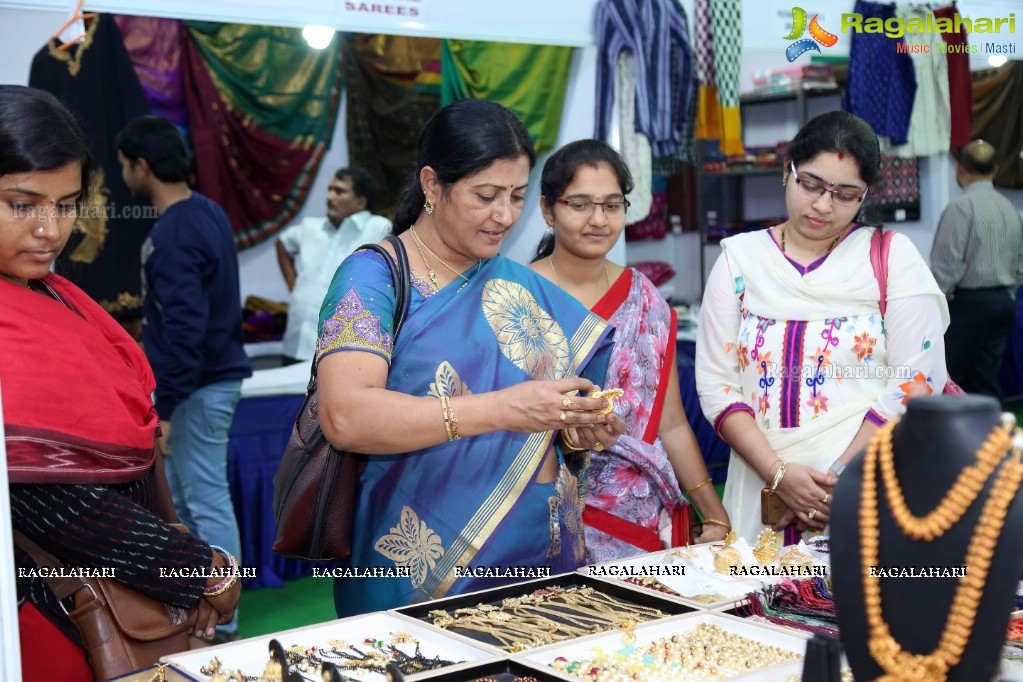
{"x": 61, "y": 586}
{"x": 880, "y": 242}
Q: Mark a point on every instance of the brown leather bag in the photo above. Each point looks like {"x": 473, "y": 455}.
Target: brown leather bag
{"x": 123, "y": 630}
{"x": 316, "y": 487}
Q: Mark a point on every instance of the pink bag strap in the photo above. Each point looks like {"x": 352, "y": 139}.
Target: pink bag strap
{"x": 879, "y": 245}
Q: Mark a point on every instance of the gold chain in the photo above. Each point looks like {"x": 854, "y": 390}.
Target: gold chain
{"x": 839, "y": 237}
{"x": 433, "y": 276}
{"x": 557, "y": 280}
{"x": 959, "y": 497}
{"x": 900, "y": 665}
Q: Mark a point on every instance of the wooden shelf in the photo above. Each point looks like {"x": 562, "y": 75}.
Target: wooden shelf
{"x": 743, "y": 172}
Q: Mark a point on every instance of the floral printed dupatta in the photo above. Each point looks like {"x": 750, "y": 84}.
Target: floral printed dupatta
{"x": 633, "y": 481}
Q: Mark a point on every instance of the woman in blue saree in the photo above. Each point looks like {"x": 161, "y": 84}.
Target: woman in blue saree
{"x": 466, "y": 486}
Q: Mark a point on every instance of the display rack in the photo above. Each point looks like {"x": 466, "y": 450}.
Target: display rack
{"x": 723, "y": 193}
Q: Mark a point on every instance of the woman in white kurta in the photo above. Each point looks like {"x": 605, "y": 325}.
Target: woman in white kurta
{"x": 794, "y": 363}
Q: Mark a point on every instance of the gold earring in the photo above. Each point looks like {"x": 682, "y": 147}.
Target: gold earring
{"x": 428, "y": 206}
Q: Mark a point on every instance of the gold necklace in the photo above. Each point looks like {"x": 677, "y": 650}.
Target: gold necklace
{"x": 557, "y": 280}
{"x": 902, "y": 666}
{"x": 433, "y": 276}
{"x": 959, "y": 497}
{"x": 839, "y": 237}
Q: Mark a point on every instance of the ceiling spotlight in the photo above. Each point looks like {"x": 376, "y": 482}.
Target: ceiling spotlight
{"x": 318, "y": 37}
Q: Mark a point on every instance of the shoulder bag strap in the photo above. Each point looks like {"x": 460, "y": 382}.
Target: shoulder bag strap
{"x": 880, "y": 243}
{"x": 62, "y": 587}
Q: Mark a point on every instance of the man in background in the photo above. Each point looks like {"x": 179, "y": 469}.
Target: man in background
{"x": 191, "y": 330}
{"x": 977, "y": 260}
{"x": 321, "y": 244}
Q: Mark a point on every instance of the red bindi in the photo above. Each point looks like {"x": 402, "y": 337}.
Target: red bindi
{"x": 840, "y": 156}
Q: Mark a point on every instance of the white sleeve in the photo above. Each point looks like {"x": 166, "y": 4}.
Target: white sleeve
{"x": 717, "y": 366}
{"x": 916, "y": 352}
{"x": 291, "y": 237}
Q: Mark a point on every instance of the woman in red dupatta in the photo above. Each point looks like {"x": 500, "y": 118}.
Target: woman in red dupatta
{"x": 77, "y": 408}
{"x": 633, "y": 498}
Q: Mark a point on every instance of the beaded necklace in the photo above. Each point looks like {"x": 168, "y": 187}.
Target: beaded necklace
{"x": 900, "y": 665}
{"x": 959, "y": 497}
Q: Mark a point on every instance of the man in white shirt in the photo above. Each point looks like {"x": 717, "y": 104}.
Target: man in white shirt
{"x": 321, "y": 244}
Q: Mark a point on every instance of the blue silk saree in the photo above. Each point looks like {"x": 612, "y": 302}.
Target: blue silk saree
{"x": 467, "y": 514}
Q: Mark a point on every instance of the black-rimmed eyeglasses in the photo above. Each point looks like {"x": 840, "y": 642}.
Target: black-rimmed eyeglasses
{"x": 842, "y": 197}
{"x": 586, "y": 207}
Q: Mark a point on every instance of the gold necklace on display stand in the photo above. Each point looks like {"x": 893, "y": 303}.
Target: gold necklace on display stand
{"x": 900, "y": 665}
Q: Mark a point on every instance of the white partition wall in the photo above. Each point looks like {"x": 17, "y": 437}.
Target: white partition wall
{"x": 10, "y": 649}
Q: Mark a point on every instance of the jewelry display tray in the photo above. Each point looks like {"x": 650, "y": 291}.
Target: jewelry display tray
{"x": 617, "y": 589}
{"x": 654, "y": 630}
{"x": 251, "y": 656}
{"x": 507, "y": 670}
{"x": 658, "y": 560}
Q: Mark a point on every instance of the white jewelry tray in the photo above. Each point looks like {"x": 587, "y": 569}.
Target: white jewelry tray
{"x": 700, "y": 576}
{"x": 251, "y": 656}
{"x": 652, "y": 631}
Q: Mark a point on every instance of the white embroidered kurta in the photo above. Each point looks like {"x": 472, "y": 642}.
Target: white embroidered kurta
{"x": 805, "y": 351}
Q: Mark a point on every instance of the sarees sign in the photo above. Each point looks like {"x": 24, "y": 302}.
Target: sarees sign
{"x": 388, "y": 8}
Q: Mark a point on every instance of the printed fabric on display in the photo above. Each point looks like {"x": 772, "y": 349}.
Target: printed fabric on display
{"x": 654, "y": 31}
{"x": 882, "y": 81}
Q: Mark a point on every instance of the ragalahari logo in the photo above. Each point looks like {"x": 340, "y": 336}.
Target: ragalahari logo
{"x": 817, "y": 35}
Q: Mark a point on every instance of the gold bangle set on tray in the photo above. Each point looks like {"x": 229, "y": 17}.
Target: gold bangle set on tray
{"x": 545, "y": 616}
{"x": 897, "y": 663}
{"x": 704, "y": 652}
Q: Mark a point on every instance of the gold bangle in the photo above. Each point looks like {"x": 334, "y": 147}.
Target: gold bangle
{"x": 454, "y": 421}
{"x": 450, "y": 422}
{"x": 778, "y": 475}
{"x": 690, "y": 491}
{"x": 567, "y": 440}
{"x": 228, "y": 582}
{"x": 715, "y": 522}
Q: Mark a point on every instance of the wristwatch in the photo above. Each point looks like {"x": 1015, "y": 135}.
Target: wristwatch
{"x": 837, "y": 468}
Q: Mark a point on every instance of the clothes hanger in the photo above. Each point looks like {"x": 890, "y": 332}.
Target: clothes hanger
{"x": 76, "y": 15}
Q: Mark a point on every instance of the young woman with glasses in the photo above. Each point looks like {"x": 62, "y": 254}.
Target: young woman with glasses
{"x": 794, "y": 365}
{"x": 633, "y": 489}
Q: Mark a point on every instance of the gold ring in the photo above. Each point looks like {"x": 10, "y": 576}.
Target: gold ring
{"x": 827, "y": 498}
{"x": 563, "y": 417}
{"x": 599, "y": 446}
{"x": 567, "y": 403}
{"x": 812, "y": 513}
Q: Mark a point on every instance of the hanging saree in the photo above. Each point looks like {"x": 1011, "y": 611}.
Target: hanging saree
{"x": 804, "y": 350}
{"x": 632, "y": 482}
{"x": 95, "y": 80}
{"x": 425, "y": 519}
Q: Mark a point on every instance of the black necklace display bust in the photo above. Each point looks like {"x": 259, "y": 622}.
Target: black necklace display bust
{"x": 937, "y": 438}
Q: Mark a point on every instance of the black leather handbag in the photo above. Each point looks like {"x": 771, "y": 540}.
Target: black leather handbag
{"x": 317, "y": 486}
